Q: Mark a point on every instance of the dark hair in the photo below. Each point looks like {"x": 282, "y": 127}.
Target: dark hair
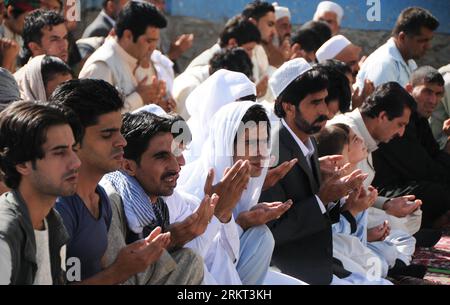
{"x": 426, "y": 74}
{"x": 138, "y": 129}
{"x": 51, "y": 66}
{"x": 320, "y": 28}
{"x": 234, "y": 59}
{"x": 389, "y": 97}
{"x": 32, "y": 30}
{"x": 311, "y": 81}
{"x": 240, "y": 29}
{"x": 338, "y": 84}
{"x": 88, "y": 98}
{"x": 332, "y": 139}
{"x": 256, "y": 114}
{"x": 24, "y": 128}
{"x": 412, "y": 19}
{"x": 307, "y": 38}
{"x": 257, "y": 9}
{"x": 136, "y": 17}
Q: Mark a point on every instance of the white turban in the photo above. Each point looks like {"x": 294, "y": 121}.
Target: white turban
{"x": 285, "y": 74}
{"x": 281, "y": 11}
{"x": 29, "y": 79}
{"x": 221, "y": 88}
{"x": 332, "y": 47}
{"x": 329, "y": 6}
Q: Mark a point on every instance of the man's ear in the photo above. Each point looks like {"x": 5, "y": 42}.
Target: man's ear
{"x": 130, "y": 167}
{"x": 382, "y": 116}
{"x": 35, "y": 49}
{"x": 409, "y": 87}
{"x": 252, "y": 20}
{"x": 401, "y": 36}
{"x": 24, "y": 169}
{"x": 296, "y": 47}
{"x": 289, "y": 109}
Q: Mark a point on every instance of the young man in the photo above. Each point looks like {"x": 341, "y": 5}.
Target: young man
{"x": 45, "y": 33}
{"x": 141, "y": 196}
{"x": 394, "y": 61}
{"x": 87, "y": 214}
{"x": 425, "y": 171}
{"x": 118, "y": 60}
{"x": 105, "y": 20}
{"x": 331, "y": 13}
{"x": 13, "y": 23}
{"x": 39, "y": 161}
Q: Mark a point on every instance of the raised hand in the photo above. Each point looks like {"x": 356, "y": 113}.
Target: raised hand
{"x": 335, "y": 187}
{"x": 262, "y": 213}
{"x": 402, "y": 206}
{"x": 229, "y": 189}
{"x": 276, "y": 174}
{"x": 360, "y": 200}
{"x": 379, "y": 233}
{"x": 195, "y": 224}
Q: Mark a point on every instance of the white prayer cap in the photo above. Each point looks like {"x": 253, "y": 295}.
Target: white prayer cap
{"x": 285, "y": 74}
{"x": 281, "y": 11}
{"x": 329, "y": 6}
{"x": 332, "y": 47}
{"x": 151, "y": 108}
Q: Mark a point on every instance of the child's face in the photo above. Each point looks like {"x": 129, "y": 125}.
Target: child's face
{"x": 357, "y": 150}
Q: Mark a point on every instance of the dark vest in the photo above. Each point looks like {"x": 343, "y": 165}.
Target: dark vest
{"x": 17, "y": 230}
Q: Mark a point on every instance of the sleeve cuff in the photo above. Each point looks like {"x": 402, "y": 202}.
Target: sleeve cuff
{"x": 321, "y": 205}
{"x": 351, "y": 220}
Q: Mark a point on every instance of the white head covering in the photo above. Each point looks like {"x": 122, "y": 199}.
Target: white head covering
{"x": 221, "y": 88}
{"x": 29, "y": 79}
{"x": 329, "y": 6}
{"x": 286, "y": 73}
{"x": 332, "y": 47}
{"x": 217, "y": 153}
{"x": 281, "y": 11}
{"x": 151, "y": 108}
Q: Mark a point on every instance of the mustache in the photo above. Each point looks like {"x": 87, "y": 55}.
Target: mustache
{"x": 320, "y": 119}
{"x": 71, "y": 173}
{"x": 169, "y": 174}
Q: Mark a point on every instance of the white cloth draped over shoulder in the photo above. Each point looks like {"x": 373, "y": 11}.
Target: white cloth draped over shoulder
{"x": 221, "y": 88}
{"x": 29, "y": 79}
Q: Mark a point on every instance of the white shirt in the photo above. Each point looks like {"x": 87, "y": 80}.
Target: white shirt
{"x": 113, "y": 64}
{"x": 308, "y": 151}
{"x": 386, "y": 64}
{"x": 43, "y": 273}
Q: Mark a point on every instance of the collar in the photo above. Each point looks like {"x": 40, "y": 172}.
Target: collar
{"x": 112, "y": 21}
{"x": 395, "y": 53}
{"x": 306, "y": 148}
{"x": 372, "y": 145}
{"x": 130, "y": 60}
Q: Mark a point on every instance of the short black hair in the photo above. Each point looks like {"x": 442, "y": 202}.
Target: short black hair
{"x": 412, "y": 19}
{"x": 136, "y": 17}
{"x": 23, "y": 130}
{"x": 234, "y": 59}
{"x": 88, "y": 98}
{"x": 311, "y": 81}
{"x": 426, "y": 74}
{"x": 52, "y": 66}
{"x": 332, "y": 139}
{"x": 338, "y": 84}
{"x": 320, "y": 28}
{"x": 257, "y": 9}
{"x": 308, "y": 39}
{"x": 32, "y": 29}
{"x": 138, "y": 129}
{"x": 389, "y": 97}
{"x": 240, "y": 29}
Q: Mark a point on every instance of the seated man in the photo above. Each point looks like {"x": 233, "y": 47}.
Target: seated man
{"x": 415, "y": 164}
{"x": 239, "y": 141}
{"x": 440, "y": 119}
{"x": 39, "y": 163}
{"x": 87, "y": 215}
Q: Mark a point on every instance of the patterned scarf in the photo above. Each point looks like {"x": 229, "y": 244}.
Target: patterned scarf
{"x": 139, "y": 210}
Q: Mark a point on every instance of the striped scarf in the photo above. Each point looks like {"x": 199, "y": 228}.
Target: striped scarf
{"x": 139, "y": 210}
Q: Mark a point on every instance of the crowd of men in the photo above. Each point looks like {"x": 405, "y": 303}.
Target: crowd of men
{"x": 276, "y": 157}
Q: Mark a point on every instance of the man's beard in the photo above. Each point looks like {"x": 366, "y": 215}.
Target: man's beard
{"x": 306, "y": 127}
